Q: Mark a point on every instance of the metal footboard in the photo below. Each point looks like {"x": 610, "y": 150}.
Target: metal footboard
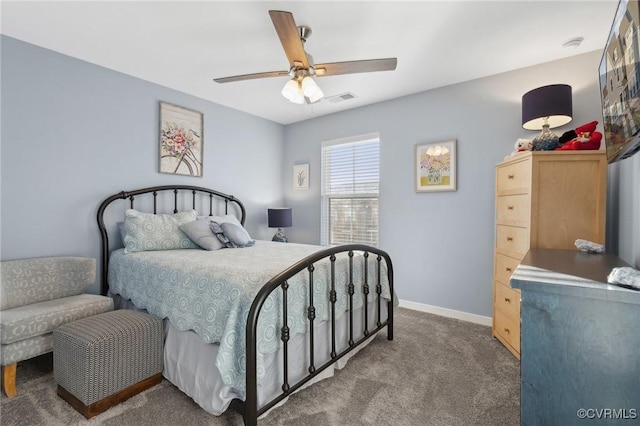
{"x": 249, "y": 408}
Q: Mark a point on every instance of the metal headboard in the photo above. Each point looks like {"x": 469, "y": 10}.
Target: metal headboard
{"x": 196, "y": 191}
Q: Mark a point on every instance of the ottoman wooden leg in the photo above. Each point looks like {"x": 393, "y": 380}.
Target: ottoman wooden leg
{"x": 9, "y": 380}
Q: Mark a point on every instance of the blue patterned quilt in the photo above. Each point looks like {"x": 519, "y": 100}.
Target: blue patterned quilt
{"x": 210, "y": 292}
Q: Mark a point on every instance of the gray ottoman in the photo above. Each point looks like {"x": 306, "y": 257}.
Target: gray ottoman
{"x": 105, "y": 359}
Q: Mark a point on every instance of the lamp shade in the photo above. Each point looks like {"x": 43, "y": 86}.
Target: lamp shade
{"x": 290, "y": 89}
{"x": 279, "y": 218}
{"x": 311, "y": 89}
{"x": 551, "y": 102}
{"x": 293, "y": 91}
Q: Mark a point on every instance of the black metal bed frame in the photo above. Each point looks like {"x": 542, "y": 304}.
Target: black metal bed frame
{"x": 249, "y": 408}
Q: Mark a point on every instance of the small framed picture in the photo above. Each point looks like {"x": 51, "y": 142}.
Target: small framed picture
{"x": 181, "y": 140}
{"x": 435, "y": 166}
{"x": 301, "y": 176}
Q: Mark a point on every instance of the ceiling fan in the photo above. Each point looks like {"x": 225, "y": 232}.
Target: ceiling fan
{"x": 302, "y": 87}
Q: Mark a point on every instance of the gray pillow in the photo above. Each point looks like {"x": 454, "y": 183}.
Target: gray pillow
{"x": 199, "y": 231}
{"x": 219, "y": 233}
{"x": 221, "y": 219}
{"x": 231, "y": 235}
{"x": 237, "y": 234}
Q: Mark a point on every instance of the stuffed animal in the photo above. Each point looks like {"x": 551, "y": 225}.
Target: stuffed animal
{"x": 586, "y": 138}
{"x": 521, "y": 145}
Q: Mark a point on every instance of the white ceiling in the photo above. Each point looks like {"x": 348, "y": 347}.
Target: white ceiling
{"x": 184, "y": 45}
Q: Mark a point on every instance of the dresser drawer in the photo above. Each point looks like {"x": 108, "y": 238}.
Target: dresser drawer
{"x": 514, "y": 178}
{"x": 504, "y": 267}
{"x": 512, "y": 241}
{"x": 507, "y": 299}
{"x": 513, "y": 210}
{"x": 507, "y": 329}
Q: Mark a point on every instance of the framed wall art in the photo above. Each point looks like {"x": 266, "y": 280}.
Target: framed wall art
{"x": 181, "y": 140}
{"x": 301, "y": 176}
{"x": 435, "y": 166}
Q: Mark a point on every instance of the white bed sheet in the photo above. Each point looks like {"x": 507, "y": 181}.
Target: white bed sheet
{"x": 189, "y": 362}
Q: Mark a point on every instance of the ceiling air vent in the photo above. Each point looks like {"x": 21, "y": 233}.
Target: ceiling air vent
{"x": 341, "y": 98}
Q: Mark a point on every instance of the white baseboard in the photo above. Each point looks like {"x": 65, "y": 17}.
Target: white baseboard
{"x": 445, "y": 312}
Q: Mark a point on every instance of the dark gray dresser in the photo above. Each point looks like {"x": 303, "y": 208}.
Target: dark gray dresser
{"x": 580, "y": 340}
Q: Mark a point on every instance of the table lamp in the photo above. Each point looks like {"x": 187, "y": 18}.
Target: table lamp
{"x": 545, "y": 108}
{"x": 279, "y": 218}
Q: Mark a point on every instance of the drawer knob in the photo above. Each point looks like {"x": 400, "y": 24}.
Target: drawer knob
{"x": 507, "y": 269}
{"x": 510, "y": 176}
{"x": 509, "y": 238}
{"x": 509, "y": 207}
{"x": 506, "y": 299}
{"x": 506, "y": 330}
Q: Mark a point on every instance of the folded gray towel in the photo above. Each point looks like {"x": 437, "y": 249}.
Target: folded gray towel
{"x": 589, "y": 246}
{"x": 625, "y": 276}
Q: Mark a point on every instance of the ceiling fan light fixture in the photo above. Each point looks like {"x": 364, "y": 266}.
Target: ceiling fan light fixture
{"x": 296, "y": 90}
{"x": 316, "y": 96}
{"x": 290, "y": 89}
{"x": 311, "y": 89}
{"x": 298, "y": 98}
{"x": 293, "y": 92}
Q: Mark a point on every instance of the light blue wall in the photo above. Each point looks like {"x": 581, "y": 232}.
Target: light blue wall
{"x": 74, "y": 133}
{"x": 442, "y": 243}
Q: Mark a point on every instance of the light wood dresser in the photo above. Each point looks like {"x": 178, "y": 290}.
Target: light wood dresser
{"x": 544, "y": 199}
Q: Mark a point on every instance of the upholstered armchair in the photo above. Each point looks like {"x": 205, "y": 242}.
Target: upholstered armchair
{"x": 38, "y": 295}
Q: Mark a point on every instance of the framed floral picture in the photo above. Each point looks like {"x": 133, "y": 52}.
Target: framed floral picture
{"x": 181, "y": 140}
{"x": 435, "y": 165}
{"x": 301, "y": 176}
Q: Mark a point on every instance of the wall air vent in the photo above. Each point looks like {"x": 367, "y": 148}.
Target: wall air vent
{"x": 341, "y": 98}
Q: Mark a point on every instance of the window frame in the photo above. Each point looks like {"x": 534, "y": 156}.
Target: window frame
{"x": 325, "y": 204}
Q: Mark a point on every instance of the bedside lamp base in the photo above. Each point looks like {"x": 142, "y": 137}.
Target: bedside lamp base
{"x": 280, "y": 237}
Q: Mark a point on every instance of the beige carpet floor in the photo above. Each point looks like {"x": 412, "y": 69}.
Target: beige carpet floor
{"x": 436, "y": 371}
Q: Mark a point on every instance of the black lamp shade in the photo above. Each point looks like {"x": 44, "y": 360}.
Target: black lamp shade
{"x": 279, "y": 218}
{"x": 552, "y": 102}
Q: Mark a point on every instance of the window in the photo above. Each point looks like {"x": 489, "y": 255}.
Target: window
{"x": 350, "y": 188}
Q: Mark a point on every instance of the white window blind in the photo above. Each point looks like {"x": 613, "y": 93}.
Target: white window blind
{"x": 350, "y": 189}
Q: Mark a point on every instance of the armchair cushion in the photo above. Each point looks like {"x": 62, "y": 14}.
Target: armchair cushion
{"x": 41, "y": 318}
{"x": 28, "y": 281}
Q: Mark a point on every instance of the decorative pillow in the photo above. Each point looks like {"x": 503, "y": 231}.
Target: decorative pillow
{"x": 219, "y": 233}
{"x": 147, "y": 231}
{"x": 232, "y": 235}
{"x": 221, "y": 219}
{"x": 237, "y": 235}
{"x": 199, "y": 231}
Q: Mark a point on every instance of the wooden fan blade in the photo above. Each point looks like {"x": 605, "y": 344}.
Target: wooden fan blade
{"x": 351, "y": 67}
{"x": 251, "y": 76}
{"x": 289, "y": 37}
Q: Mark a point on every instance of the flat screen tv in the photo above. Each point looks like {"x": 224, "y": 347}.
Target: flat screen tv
{"x": 620, "y": 83}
